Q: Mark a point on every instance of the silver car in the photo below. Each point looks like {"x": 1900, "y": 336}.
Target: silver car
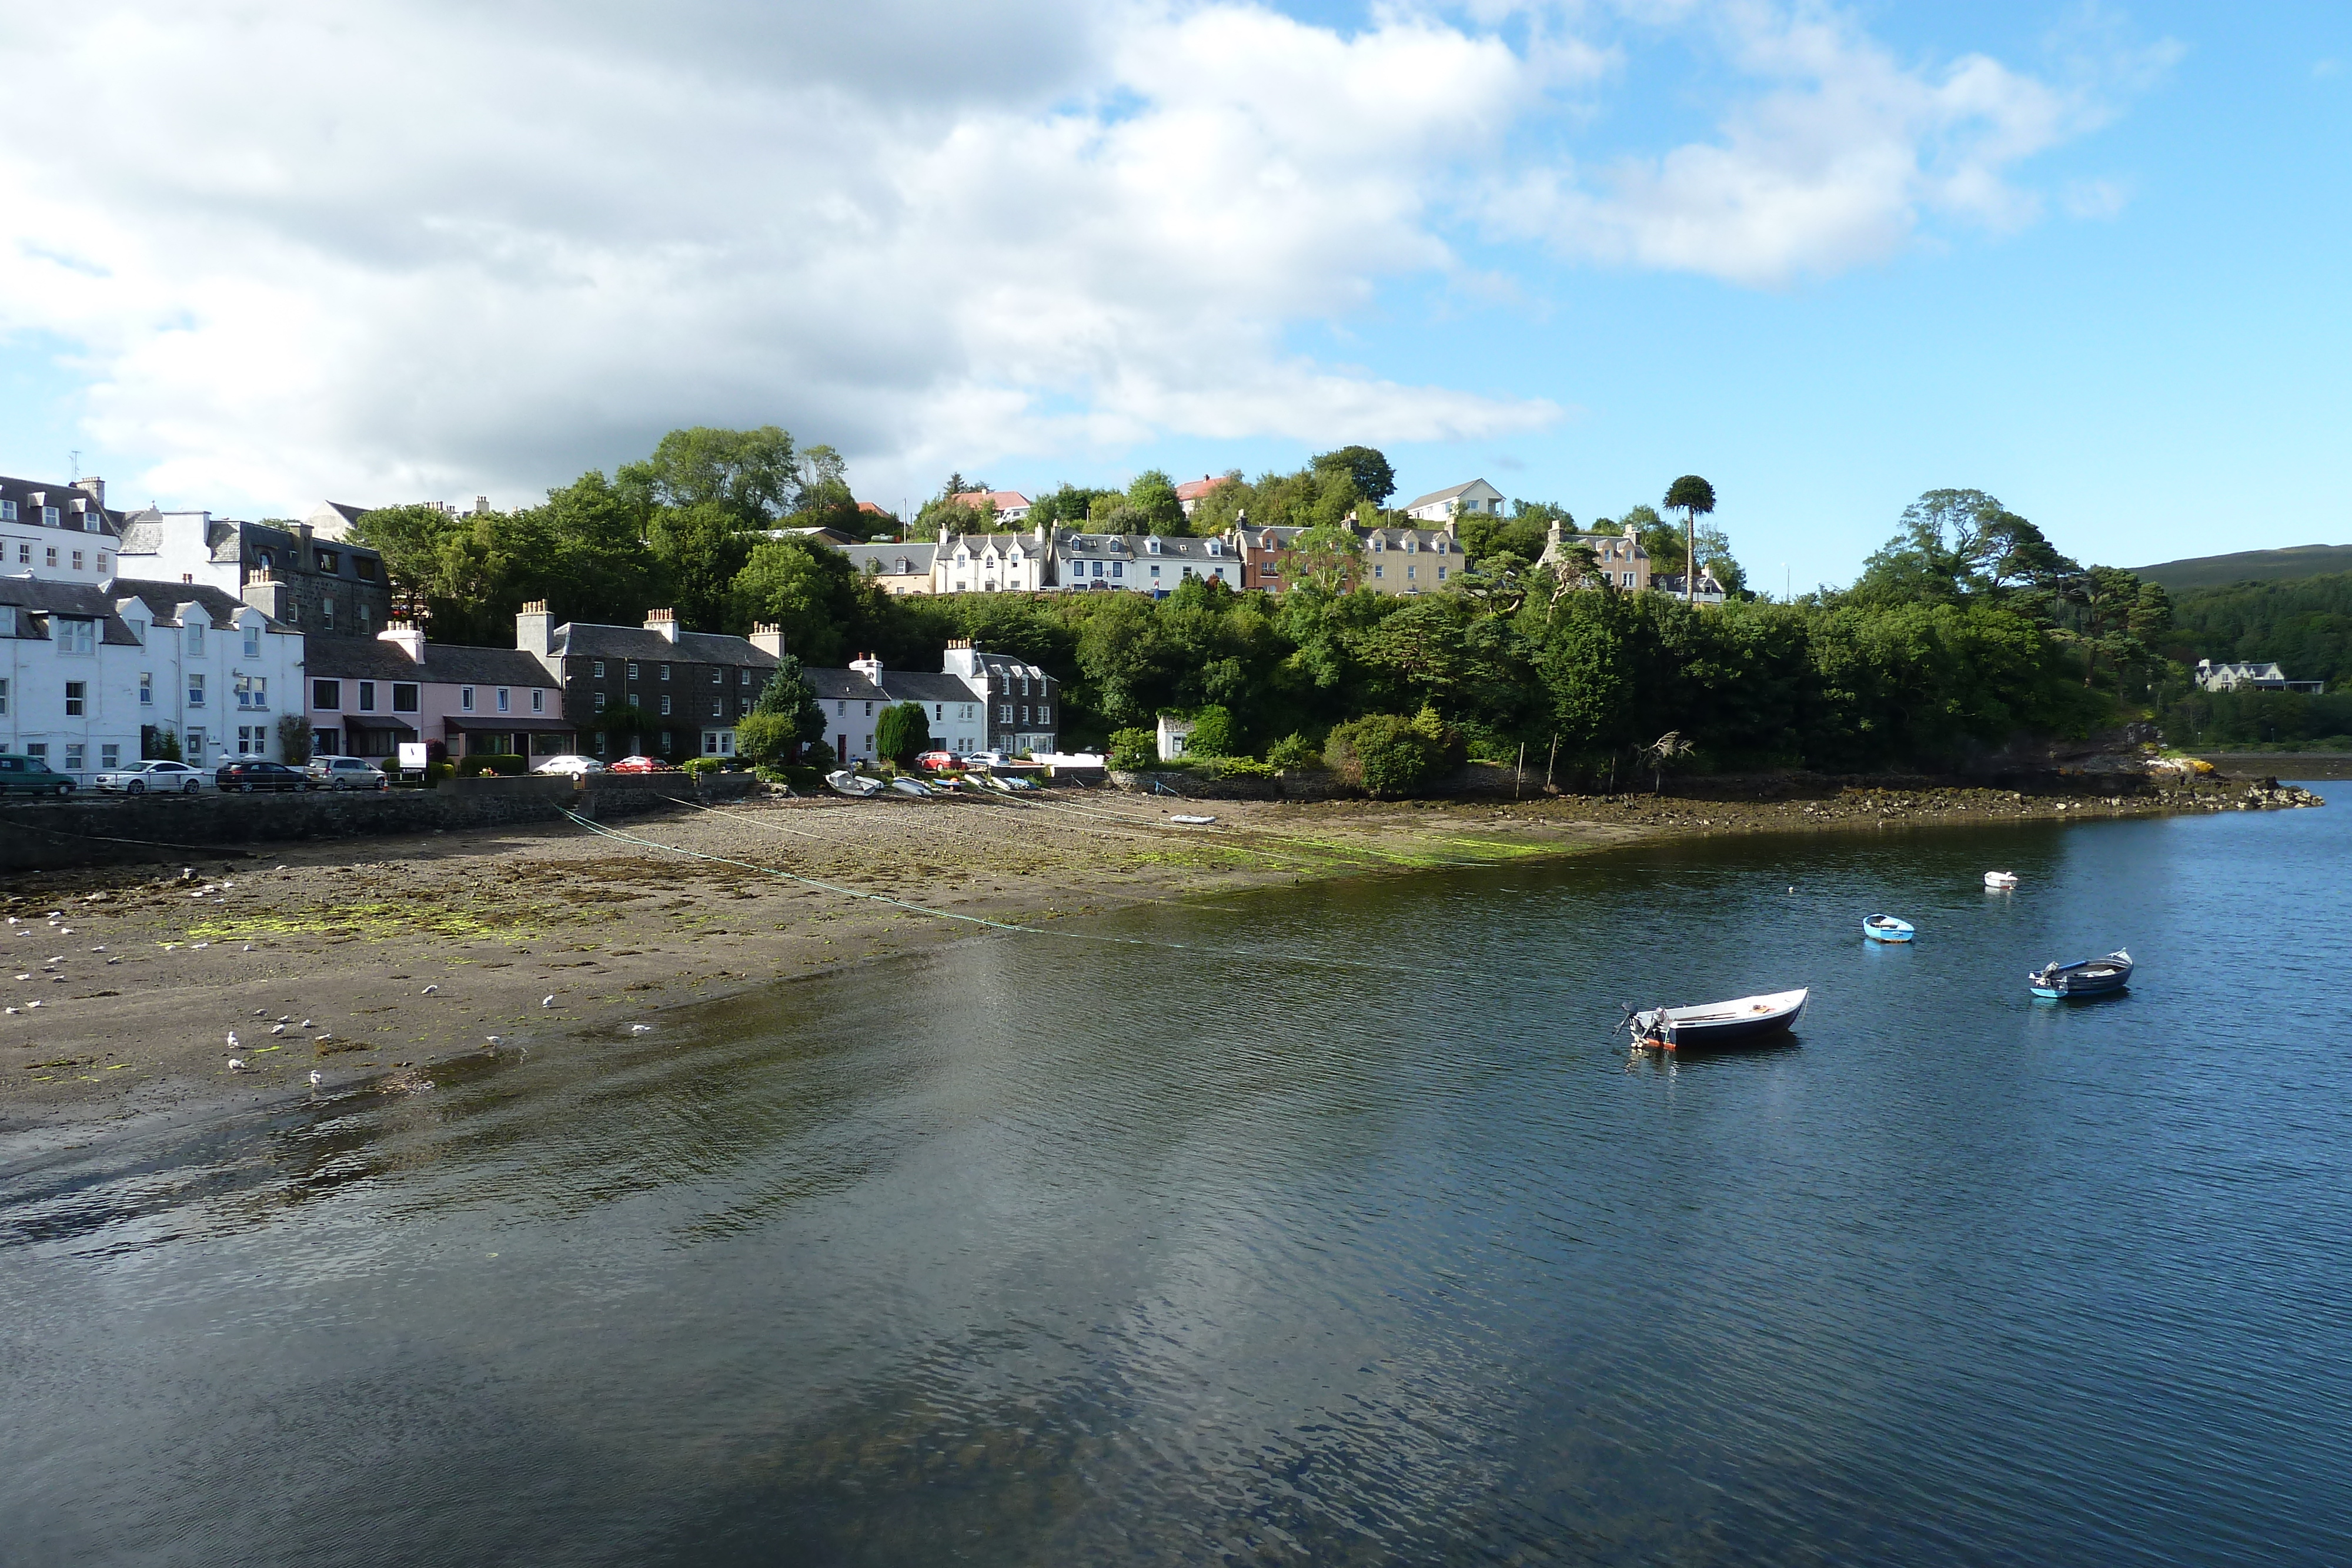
{"x": 152, "y": 775}
{"x": 345, "y": 773}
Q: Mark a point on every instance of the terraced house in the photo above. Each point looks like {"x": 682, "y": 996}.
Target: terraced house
{"x": 654, "y": 689}
{"x": 978, "y": 702}
{"x": 367, "y": 696}
{"x": 61, "y": 532}
{"x": 1145, "y": 563}
{"x": 322, "y": 587}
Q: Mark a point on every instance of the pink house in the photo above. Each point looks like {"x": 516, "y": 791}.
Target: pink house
{"x": 367, "y": 695}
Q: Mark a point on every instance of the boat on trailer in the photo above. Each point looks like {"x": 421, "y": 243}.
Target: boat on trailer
{"x": 2089, "y": 978}
{"x": 1887, "y": 928}
{"x": 1716, "y": 1026}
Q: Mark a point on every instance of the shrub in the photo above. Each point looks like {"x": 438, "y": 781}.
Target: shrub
{"x": 1389, "y": 755}
{"x": 1293, "y": 753}
{"x": 294, "y": 738}
{"x": 699, "y": 765}
{"x": 500, "y": 762}
{"x": 900, "y": 731}
{"x": 436, "y": 771}
{"x": 1213, "y": 734}
{"x": 766, "y": 738}
{"x": 1134, "y": 748}
{"x": 160, "y": 744}
{"x": 1237, "y": 767}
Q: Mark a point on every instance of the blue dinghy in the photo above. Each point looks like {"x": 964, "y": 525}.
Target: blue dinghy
{"x": 1886, "y": 928}
{"x": 2089, "y": 977}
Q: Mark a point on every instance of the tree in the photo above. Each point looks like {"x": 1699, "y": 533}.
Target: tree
{"x": 1695, "y": 498}
{"x": 1213, "y": 733}
{"x": 294, "y": 738}
{"x": 809, "y": 589}
{"x": 1661, "y": 752}
{"x": 1324, "y": 557}
{"x": 900, "y": 731}
{"x": 703, "y": 548}
{"x": 1953, "y": 544}
{"x": 1366, "y": 467}
{"x": 785, "y": 717}
{"x": 754, "y": 475}
{"x": 1152, "y": 500}
{"x": 1068, "y": 506}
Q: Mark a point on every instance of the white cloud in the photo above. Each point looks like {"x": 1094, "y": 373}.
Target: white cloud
{"x": 407, "y": 248}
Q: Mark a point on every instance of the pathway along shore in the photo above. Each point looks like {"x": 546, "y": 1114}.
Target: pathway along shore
{"x": 122, "y": 984}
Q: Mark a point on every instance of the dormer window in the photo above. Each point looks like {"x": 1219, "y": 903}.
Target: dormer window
{"x": 1152, "y": 544}
{"x": 1379, "y": 543}
{"x": 1216, "y": 547}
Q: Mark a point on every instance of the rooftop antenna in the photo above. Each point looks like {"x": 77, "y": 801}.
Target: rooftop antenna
{"x": 74, "y": 460}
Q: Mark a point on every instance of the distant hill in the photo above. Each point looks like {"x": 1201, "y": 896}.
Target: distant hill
{"x": 2249, "y": 566}
{"x": 2304, "y": 622}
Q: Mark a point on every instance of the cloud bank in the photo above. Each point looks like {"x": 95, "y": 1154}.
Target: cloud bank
{"x": 388, "y": 250}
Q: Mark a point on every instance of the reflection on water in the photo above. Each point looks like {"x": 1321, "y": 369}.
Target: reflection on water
{"x": 1347, "y": 1231}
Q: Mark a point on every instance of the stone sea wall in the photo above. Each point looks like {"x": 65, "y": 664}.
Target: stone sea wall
{"x": 91, "y": 829}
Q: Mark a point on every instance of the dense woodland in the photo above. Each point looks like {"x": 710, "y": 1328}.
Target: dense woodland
{"x": 1969, "y": 629}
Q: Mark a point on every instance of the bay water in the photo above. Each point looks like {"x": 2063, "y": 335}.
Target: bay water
{"x": 1327, "y": 1224}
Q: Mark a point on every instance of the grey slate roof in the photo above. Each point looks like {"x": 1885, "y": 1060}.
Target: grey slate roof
{"x": 37, "y": 600}
{"x": 586, "y": 639}
{"x": 851, "y": 685}
{"x": 446, "y": 663}
{"x": 361, "y": 659}
{"x": 1138, "y": 547}
{"x": 92, "y": 520}
{"x": 164, "y": 599}
{"x": 918, "y": 687}
{"x": 917, "y": 557}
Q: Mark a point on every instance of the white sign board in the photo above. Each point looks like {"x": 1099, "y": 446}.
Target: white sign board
{"x": 412, "y": 754}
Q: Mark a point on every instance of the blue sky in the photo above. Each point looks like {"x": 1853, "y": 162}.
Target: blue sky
{"x": 2112, "y": 298}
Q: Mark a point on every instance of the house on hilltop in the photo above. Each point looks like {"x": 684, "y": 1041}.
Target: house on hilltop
{"x": 1620, "y": 558}
{"x": 1438, "y": 505}
{"x": 2251, "y": 675}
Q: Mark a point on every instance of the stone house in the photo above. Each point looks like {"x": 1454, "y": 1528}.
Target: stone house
{"x": 978, "y": 702}
{"x": 1620, "y": 557}
{"x": 1408, "y": 560}
{"x": 896, "y": 568}
{"x": 68, "y": 677}
{"x": 684, "y": 689}
{"x": 329, "y": 587}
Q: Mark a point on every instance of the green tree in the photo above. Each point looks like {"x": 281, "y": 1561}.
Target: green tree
{"x": 810, "y": 590}
{"x": 751, "y": 475}
{"x": 902, "y": 730}
{"x": 1152, "y": 500}
{"x": 1366, "y": 468}
{"x": 1695, "y": 498}
{"x": 1213, "y": 733}
{"x": 703, "y": 549}
{"x": 787, "y": 714}
{"x": 1325, "y": 557}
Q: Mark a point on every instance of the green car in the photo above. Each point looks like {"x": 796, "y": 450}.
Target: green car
{"x": 30, "y": 775}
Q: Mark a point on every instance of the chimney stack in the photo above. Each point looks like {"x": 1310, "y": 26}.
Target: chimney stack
{"x": 869, "y": 667}
{"x": 481, "y": 505}
{"x": 405, "y": 636}
{"x": 663, "y": 621}
{"x": 769, "y": 637}
{"x": 535, "y": 630}
{"x": 96, "y": 487}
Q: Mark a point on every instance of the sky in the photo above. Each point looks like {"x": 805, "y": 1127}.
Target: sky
{"x": 2087, "y": 257}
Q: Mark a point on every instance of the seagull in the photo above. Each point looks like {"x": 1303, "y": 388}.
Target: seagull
{"x": 231, "y": 1040}
{"x": 261, "y": 1012}
{"x": 324, "y": 1035}
{"x": 285, "y": 1018}
{"x": 304, "y": 1024}
{"x": 32, "y": 1004}
{"x": 641, "y": 1029}
{"x": 494, "y": 1040}
{"x": 277, "y": 1029}
{"x": 317, "y": 1078}
{"x": 100, "y": 948}
{"x": 234, "y": 1065}
{"x": 114, "y": 960}
{"x": 14, "y": 1012}
{"x": 547, "y": 1001}
{"x": 429, "y": 991}
{"x": 23, "y": 976}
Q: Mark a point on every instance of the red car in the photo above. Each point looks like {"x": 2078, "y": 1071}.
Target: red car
{"x": 937, "y": 761}
{"x": 641, "y": 764}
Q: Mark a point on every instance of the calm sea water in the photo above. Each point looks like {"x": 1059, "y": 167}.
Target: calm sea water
{"x": 1343, "y": 1233}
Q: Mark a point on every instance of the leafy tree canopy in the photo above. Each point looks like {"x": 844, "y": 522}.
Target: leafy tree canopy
{"x": 1367, "y": 469}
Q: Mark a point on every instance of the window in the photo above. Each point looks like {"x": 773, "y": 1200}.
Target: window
{"x": 77, "y": 560}
{"x": 665, "y": 706}
{"x": 74, "y": 754}
{"x": 506, "y": 702}
{"x": 327, "y": 694}
{"x": 52, "y": 552}
{"x": 466, "y": 699}
{"x": 1155, "y": 568}
{"x": 841, "y": 709}
{"x": 23, "y": 555}
{"x": 195, "y": 691}
{"x": 938, "y": 711}
{"x": 1008, "y": 715}
{"x": 1118, "y": 568}
{"x": 146, "y": 689}
{"x": 1441, "y": 574}
{"x": 77, "y": 698}
{"x": 253, "y": 642}
{"x": 327, "y": 614}
{"x": 261, "y": 558}
{"x": 869, "y": 710}
{"x": 403, "y": 697}
{"x": 365, "y": 566}
{"x": 718, "y": 707}
{"x": 746, "y": 677}
{"x": 40, "y": 752}
{"x": 49, "y": 520}
{"x": 138, "y": 630}
{"x": 1024, "y": 715}
{"x": 600, "y": 733}
{"x": 253, "y": 692}
{"x": 600, "y": 701}
{"x": 718, "y": 677}
{"x": 632, "y": 669}
{"x": 110, "y": 756}
{"x": 252, "y": 740}
{"x": 329, "y": 561}
{"x": 1379, "y": 571}
{"x": 8, "y": 511}
{"x": 77, "y": 636}
{"x": 664, "y": 671}
{"x": 367, "y": 696}
{"x": 1412, "y": 573}
{"x": 537, "y": 700}
{"x": 196, "y": 638}
{"x": 600, "y": 669}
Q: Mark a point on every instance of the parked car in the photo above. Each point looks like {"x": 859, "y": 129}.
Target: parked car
{"x": 985, "y": 759}
{"x": 154, "y": 774}
{"x": 642, "y": 764}
{"x": 247, "y": 774}
{"x": 937, "y": 761}
{"x": 30, "y": 775}
{"x": 570, "y": 763}
{"x": 345, "y": 773}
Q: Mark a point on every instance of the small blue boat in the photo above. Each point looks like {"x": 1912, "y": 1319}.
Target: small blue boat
{"x": 1886, "y": 928}
{"x": 2089, "y": 977}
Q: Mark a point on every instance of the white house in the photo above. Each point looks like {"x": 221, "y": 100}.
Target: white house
{"x": 1174, "y": 737}
{"x": 1477, "y": 495}
{"x": 213, "y": 670}
{"x": 68, "y": 677}
{"x": 2259, "y": 675}
{"x": 1146, "y": 563}
{"x": 62, "y": 533}
{"x": 978, "y": 702}
{"x": 1674, "y": 585}
{"x": 992, "y": 563}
